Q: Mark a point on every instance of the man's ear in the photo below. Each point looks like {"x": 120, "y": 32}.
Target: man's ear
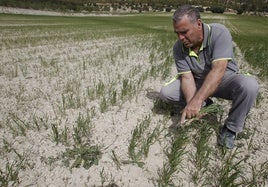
{"x": 199, "y": 23}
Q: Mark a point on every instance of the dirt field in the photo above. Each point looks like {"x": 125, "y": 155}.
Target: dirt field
{"x": 41, "y": 87}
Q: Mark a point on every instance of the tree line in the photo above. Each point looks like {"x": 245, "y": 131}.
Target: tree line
{"x": 218, "y": 6}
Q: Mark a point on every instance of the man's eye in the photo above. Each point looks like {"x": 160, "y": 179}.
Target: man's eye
{"x": 181, "y": 33}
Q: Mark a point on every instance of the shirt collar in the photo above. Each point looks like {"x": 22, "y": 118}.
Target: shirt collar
{"x": 206, "y": 30}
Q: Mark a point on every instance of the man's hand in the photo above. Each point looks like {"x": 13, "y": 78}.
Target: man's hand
{"x": 210, "y": 84}
{"x": 191, "y": 110}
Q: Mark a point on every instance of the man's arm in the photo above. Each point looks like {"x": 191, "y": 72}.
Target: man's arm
{"x": 188, "y": 86}
{"x": 209, "y": 86}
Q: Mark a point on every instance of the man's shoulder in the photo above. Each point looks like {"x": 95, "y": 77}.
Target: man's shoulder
{"x": 219, "y": 32}
{"x": 178, "y": 47}
{"x": 217, "y": 26}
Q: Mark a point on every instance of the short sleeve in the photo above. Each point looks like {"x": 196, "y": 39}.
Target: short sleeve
{"x": 221, "y": 43}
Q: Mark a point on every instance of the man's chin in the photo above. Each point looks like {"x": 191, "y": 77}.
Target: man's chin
{"x": 188, "y": 45}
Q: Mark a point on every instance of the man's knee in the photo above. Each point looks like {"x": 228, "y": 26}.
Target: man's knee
{"x": 249, "y": 86}
{"x": 165, "y": 94}
{"x": 169, "y": 94}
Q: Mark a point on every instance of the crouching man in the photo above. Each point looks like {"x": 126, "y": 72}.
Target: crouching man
{"x": 206, "y": 68}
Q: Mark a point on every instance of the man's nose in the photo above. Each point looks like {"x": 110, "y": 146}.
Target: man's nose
{"x": 181, "y": 36}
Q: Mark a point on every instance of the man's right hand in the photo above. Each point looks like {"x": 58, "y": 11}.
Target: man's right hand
{"x": 191, "y": 110}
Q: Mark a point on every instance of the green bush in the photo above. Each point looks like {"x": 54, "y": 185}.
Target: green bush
{"x": 200, "y": 9}
{"x": 217, "y": 9}
{"x": 240, "y": 11}
{"x": 168, "y": 9}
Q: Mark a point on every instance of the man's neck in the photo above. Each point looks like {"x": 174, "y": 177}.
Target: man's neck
{"x": 196, "y": 49}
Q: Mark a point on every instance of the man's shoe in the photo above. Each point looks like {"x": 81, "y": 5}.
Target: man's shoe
{"x": 226, "y": 138}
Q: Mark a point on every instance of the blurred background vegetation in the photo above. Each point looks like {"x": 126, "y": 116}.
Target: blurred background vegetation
{"x": 259, "y": 7}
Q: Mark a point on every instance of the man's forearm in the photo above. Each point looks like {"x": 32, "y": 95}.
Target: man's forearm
{"x": 212, "y": 81}
{"x": 188, "y": 86}
{"x": 209, "y": 86}
{"x": 195, "y": 98}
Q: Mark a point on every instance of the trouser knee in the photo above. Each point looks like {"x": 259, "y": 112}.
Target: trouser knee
{"x": 169, "y": 94}
{"x": 249, "y": 87}
{"x": 164, "y": 94}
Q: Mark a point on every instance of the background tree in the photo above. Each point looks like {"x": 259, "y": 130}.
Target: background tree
{"x": 241, "y": 6}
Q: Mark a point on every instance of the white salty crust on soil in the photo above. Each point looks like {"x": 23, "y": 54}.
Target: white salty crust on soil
{"x": 112, "y": 130}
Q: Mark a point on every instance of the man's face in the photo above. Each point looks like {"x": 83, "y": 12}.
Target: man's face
{"x": 190, "y": 33}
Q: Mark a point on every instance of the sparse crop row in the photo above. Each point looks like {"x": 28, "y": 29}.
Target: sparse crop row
{"x": 74, "y": 79}
{"x": 57, "y": 82}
